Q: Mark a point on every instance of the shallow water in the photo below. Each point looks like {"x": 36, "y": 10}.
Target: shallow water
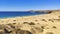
{"x": 15, "y": 14}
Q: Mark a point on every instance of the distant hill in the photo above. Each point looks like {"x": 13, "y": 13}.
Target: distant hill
{"x": 48, "y": 11}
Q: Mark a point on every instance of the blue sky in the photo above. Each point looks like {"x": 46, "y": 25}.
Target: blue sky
{"x": 24, "y": 5}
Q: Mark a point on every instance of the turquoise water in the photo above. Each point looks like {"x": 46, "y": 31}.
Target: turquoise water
{"x": 15, "y": 14}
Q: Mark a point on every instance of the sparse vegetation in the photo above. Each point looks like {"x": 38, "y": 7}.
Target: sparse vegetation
{"x": 59, "y": 16}
{"x": 14, "y": 20}
{"x": 54, "y": 27}
{"x": 25, "y": 23}
{"x": 36, "y": 20}
{"x": 23, "y": 32}
{"x": 14, "y": 23}
{"x": 39, "y": 29}
{"x": 51, "y": 20}
{"x": 57, "y": 19}
{"x": 11, "y": 25}
{"x": 44, "y": 20}
{"x": 33, "y": 30}
{"x": 35, "y": 24}
{"x": 49, "y": 32}
{"x": 31, "y": 23}
{"x": 42, "y": 27}
{"x": 2, "y": 32}
{"x": 38, "y": 23}
{"x": 7, "y": 29}
{"x": 1, "y": 26}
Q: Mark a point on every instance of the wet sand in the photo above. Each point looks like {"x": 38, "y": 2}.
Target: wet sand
{"x": 37, "y": 24}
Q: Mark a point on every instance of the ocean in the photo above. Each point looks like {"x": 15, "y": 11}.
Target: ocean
{"x": 18, "y": 13}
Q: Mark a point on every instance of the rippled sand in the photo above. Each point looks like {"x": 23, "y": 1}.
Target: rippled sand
{"x": 37, "y": 24}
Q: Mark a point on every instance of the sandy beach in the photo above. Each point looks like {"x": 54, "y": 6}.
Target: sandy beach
{"x": 36, "y": 24}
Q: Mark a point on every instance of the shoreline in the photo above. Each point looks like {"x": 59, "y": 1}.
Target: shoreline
{"x": 19, "y": 16}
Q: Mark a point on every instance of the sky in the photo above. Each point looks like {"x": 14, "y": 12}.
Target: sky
{"x": 25, "y": 5}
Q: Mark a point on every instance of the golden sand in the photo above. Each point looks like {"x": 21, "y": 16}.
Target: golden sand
{"x": 37, "y": 24}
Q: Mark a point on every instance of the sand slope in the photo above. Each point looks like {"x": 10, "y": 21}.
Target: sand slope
{"x": 37, "y": 24}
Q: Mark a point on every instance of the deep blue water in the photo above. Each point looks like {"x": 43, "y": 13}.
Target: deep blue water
{"x": 15, "y": 14}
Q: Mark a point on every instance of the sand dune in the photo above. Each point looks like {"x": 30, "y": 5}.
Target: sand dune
{"x": 37, "y": 24}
